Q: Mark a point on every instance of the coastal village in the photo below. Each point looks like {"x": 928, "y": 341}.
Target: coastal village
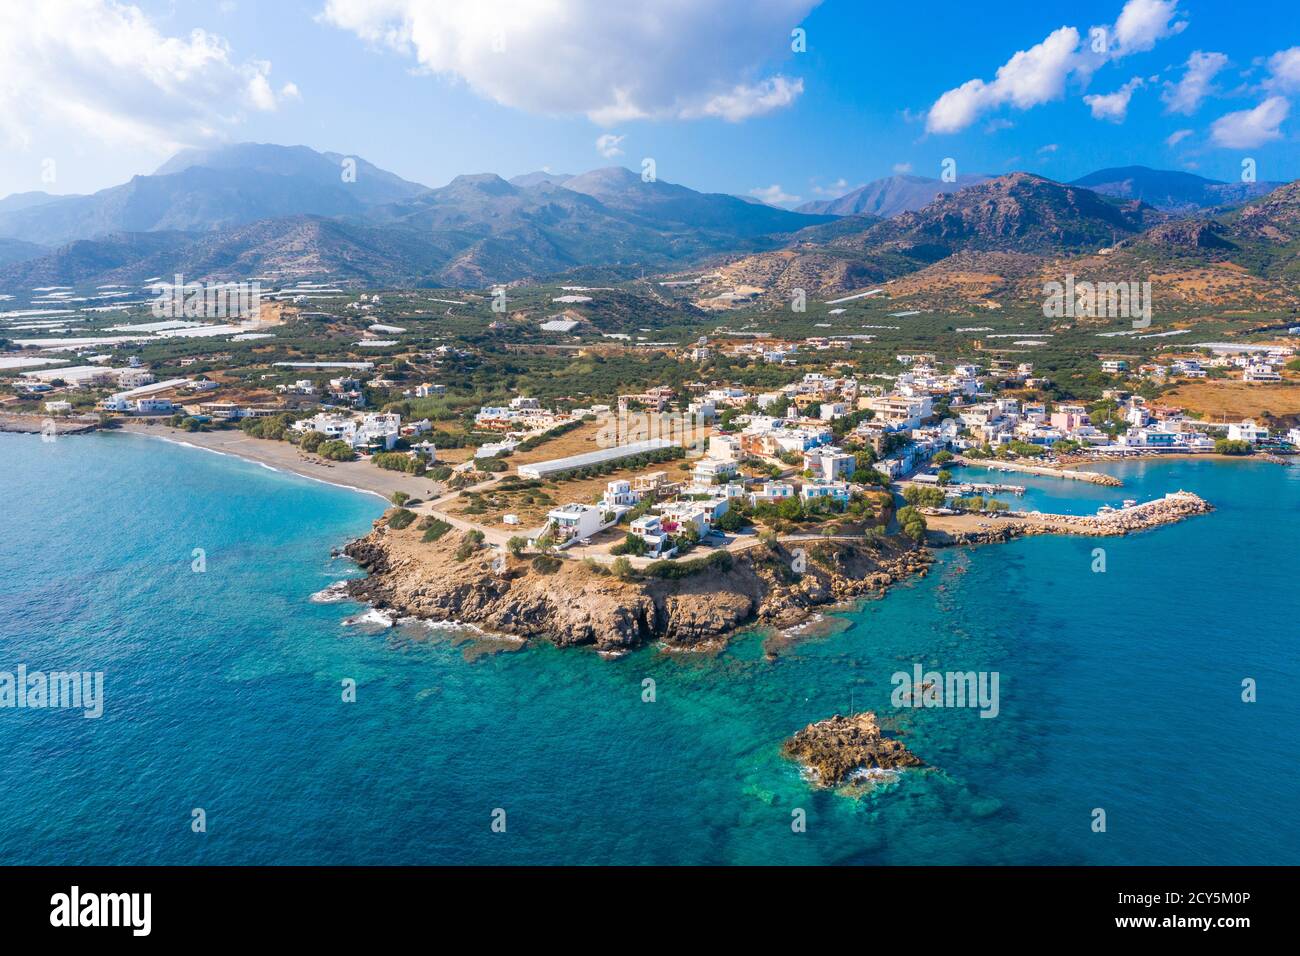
{"x": 555, "y": 468}
{"x": 702, "y": 466}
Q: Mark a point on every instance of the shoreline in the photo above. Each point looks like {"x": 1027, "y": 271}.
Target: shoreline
{"x": 359, "y": 476}
{"x": 571, "y": 605}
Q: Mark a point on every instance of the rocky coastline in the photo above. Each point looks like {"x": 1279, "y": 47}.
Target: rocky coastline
{"x": 575, "y": 603}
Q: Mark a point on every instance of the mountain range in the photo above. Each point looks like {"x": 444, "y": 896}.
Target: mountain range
{"x": 997, "y": 240}
{"x": 890, "y": 196}
{"x": 293, "y": 213}
{"x": 1171, "y": 190}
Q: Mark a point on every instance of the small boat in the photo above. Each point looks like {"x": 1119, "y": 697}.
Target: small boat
{"x": 1105, "y": 510}
{"x": 1130, "y": 503}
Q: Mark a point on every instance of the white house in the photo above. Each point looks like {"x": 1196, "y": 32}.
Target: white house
{"x": 829, "y": 463}
{"x": 619, "y": 495}
{"x": 154, "y": 406}
{"x": 709, "y": 471}
{"x": 771, "y": 492}
{"x": 649, "y": 528}
{"x": 574, "y": 521}
{"x": 1259, "y": 372}
{"x": 724, "y": 447}
{"x": 835, "y": 490}
{"x": 1247, "y": 431}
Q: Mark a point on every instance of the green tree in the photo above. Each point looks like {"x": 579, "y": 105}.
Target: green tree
{"x": 311, "y": 441}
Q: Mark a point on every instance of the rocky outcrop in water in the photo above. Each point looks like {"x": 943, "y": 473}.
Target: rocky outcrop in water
{"x": 834, "y": 748}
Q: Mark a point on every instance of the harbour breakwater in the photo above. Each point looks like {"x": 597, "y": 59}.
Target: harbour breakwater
{"x": 993, "y": 464}
{"x": 44, "y": 425}
{"x": 1003, "y": 526}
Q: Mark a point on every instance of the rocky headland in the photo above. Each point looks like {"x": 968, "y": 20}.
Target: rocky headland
{"x": 573, "y": 603}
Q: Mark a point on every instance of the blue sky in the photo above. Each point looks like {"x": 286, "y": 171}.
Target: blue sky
{"x": 711, "y": 89}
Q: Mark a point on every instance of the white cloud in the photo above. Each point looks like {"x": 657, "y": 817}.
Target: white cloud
{"x": 609, "y": 145}
{"x": 104, "y": 70}
{"x": 1113, "y": 106}
{"x": 774, "y": 195}
{"x": 1031, "y": 77}
{"x": 1039, "y": 75}
{"x": 1186, "y": 95}
{"x": 744, "y": 101}
{"x": 1284, "y": 70}
{"x": 1143, "y": 23}
{"x": 837, "y": 188}
{"x": 1177, "y": 136}
{"x": 1048, "y": 148}
{"x": 1247, "y": 128}
{"x": 612, "y": 62}
{"x": 901, "y": 169}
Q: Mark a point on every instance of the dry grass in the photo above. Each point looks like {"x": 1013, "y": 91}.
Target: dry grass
{"x": 576, "y": 442}
{"x": 580, "y": 441}
{"x": 1236, "y": 400}
{"x": 532, "y": 514}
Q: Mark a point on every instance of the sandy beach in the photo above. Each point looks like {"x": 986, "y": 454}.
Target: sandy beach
{"x": 357, "y": 475}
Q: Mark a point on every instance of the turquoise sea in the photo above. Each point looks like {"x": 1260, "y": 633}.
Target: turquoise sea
{"x": 1118, "y": 690}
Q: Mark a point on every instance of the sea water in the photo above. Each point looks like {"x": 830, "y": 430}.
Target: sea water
{"x": 225, "y": 684}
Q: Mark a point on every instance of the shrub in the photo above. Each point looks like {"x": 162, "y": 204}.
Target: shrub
{"x": 397, "y": 461}
{"x": 1225, "y": 446}
{"x": 400, "y": 498}
{"x": 731, "y": 520}
{"x": 516, "y": 545}
{"x": 311, "y": 441}
{"x": 473, "y": 541}
{"x": 336, "y": 451}
{"x": 671, "y": 570}
{"x": 922, "y": 496}
{"x": 623, "y": 569}
{"x": 632, "y": 544}
{"x": 401, "y": 518}
{"x": 912, "y": 522}
{"x": 434, "y": 529}
{"x": 546, "y": 564}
